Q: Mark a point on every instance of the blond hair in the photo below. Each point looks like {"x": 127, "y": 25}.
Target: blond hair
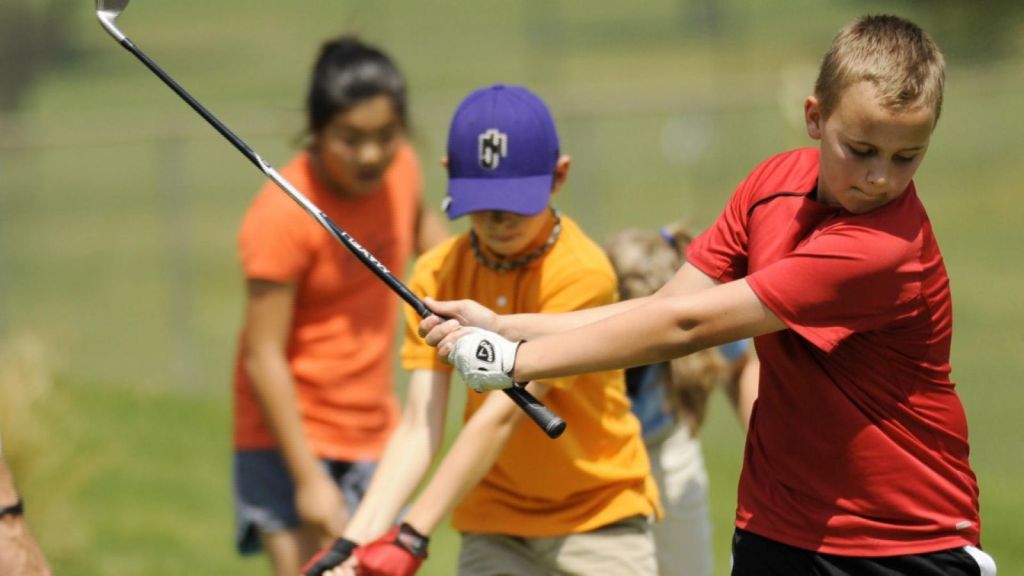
{"x": 903, "y": 63}
{"x": 644, "y": 261}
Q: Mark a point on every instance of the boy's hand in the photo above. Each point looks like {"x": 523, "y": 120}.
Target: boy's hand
{"x": 462, "y": 312}
{"x": 329, "y": 558}
{"x": 484, "y": 359}
{"x": 399, "y": 552}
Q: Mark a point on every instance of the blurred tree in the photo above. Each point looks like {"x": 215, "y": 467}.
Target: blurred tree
{"x": 972, "y": 31}
{"x": 35, "y": 35}
{"x": 701, "y": 18}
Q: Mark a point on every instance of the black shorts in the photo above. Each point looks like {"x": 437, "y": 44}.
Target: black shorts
{"x": 265, "y": 495}
{"x": 754, "y": 555}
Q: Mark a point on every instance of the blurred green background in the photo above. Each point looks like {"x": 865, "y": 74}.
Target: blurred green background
{"x": 120, "y": 295}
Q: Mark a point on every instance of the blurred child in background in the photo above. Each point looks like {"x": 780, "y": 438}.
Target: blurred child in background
{"x": 314, "y": 399}
{"x": 670, "y": 399}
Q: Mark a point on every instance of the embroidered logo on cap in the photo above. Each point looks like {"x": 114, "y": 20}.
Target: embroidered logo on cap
{"x": 493, "y": 147}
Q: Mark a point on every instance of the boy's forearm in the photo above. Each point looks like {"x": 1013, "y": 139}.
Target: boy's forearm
{"x": 407, "y": 457}
{"x": 661, "y": 329}
{"x": 532, "y": 326}
{"x": 474, "y": 452}
{"x": 611, "y": 343}
{"x": 405, "y": 462}
{"x": 688, "y": 280}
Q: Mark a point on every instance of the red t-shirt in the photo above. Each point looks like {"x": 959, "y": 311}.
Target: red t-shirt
{"x": 344, "y": 319}
{"x": 858, "y": 440}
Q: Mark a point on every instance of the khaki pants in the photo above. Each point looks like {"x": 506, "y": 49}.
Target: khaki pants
{"x": 625, "y": 548}
{"x": 683, "y": 537}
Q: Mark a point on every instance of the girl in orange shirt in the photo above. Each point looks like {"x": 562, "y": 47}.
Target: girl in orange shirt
{"x": 314, "y": 401}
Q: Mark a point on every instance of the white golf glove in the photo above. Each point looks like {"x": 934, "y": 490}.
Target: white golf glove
{"x": 485, "y": 360}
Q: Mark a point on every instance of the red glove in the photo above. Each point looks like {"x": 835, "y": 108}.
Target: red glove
{"x": 400, "y": 552}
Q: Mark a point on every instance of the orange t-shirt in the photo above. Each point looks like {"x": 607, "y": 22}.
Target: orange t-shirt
{"x": 597, "y": 472}
{"x": 345, "y": 318}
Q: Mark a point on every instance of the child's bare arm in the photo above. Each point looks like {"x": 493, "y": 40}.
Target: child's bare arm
{"x": 660, "y": 329}
{"x": 688, "y": 280}
{"x": 657, "y": 331}
{"x": 474, "y": 452}
{"x": 407, "y": 457}
{"x": 742, "y": 385}
{"x": 268, "y": 317}
{"x": 19, "y": 552}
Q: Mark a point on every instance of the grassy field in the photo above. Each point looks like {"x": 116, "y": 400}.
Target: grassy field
{"x": 120, "y": 296}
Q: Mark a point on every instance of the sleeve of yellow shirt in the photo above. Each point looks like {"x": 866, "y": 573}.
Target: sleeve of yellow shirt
{"x": 415, "y": 353}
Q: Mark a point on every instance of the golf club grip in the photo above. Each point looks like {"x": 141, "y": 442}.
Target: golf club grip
{"x": 552, "y": 424}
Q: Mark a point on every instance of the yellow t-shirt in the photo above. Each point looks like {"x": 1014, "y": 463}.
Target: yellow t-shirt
{"x": 597, "y": 472}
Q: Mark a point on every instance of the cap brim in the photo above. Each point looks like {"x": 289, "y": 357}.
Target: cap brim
{"x": 526, "y": 196}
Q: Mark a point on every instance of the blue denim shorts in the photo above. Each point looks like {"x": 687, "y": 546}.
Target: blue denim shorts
{"x": 265, "y": 494}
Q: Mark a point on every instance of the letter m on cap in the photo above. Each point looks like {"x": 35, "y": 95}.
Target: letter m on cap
{"x": 493, "y": 147}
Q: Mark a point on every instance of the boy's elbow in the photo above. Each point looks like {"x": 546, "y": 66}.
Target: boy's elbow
{"x": 694, "y": 331}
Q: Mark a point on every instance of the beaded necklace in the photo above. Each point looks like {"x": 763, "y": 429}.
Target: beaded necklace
{"x": 474, "y": 243}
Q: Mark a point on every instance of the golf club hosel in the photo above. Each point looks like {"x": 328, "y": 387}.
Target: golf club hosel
{"x": 107, "y": 11}
{"x": 108, "y": 24}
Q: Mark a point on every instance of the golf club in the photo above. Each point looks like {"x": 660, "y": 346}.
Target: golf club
{"x": 107, "y": 11}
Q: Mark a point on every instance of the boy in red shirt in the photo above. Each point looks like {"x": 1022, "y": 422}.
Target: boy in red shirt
{"x": 856, "y": 460}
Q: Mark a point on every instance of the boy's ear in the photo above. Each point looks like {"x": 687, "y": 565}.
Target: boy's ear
{"x": 444, "y": 162}
{"x": 812, "y": 117}
{"x": 561, "y": 173}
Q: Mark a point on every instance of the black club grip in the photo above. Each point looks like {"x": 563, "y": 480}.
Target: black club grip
{"x": 551, "y": 423}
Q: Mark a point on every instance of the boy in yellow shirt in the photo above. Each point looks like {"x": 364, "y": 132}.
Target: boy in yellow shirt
{"x": 524, "y": 504}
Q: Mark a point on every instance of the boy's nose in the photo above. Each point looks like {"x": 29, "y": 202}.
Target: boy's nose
{"x": 877, "y": 176}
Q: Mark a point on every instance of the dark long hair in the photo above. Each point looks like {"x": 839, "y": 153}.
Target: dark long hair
{"x": 347, "y": 72}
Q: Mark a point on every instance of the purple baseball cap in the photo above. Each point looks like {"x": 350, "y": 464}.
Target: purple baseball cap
{"x": 502, "y": 152}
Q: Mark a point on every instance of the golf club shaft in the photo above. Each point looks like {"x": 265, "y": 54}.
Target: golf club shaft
{"x": 550, "y": 423}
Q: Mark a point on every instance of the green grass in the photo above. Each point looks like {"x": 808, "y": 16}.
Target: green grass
{"x": 119, "y": 209}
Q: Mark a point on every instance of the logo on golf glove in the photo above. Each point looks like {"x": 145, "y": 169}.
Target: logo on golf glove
{"x": 485, "y": 360}
{"x": 485, "y": 352}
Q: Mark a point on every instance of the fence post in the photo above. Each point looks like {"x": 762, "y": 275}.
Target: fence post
{"x": 173, "y": 200}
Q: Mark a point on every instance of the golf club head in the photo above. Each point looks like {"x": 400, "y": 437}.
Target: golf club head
{"x": 107, "y": 11}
